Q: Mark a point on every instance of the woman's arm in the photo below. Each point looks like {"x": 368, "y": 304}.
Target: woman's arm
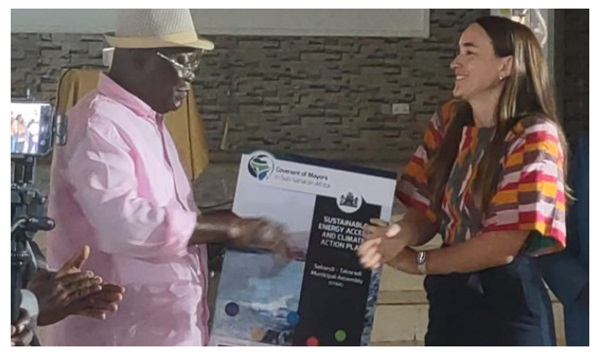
{"x": 384, "y": 243}
{"x": 479, "y": 253}
{"x": 416, "y": 228}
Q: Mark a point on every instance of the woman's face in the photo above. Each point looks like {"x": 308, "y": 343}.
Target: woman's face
{"x": 476, "y": 67}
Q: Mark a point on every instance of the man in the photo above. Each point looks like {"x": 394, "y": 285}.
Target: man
{"x": 119, "y": 186}
{"x": 567, "y": 272}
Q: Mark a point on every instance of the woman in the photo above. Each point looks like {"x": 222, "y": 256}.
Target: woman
{"x": 489, "y": 177}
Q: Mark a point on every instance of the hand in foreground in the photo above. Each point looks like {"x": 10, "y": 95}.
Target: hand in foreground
{"x": 259, "y": 233}
{"x": 55, "y": 291}
{"x": 381, "y": 243}
{"x": 72, "y": 291}
{"x": 98, "y": 304}
{"x": 21, "y": 333}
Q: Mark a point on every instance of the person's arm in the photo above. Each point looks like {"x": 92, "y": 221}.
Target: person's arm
{"x": 526, "y": 214}
{"x": 103, "y": 176}
{"x": 226, "y": 227}
{"x": 566, "y": 276}
{"x": 70, "y": 290}
{"x": 388, "y": 244}
{"x": 420, "y": 223}
{"x": 214, "y": 227}
{"x": 383, "y": 242}
{"x": 416, "y": 229}
{"x": 482, "y": 252}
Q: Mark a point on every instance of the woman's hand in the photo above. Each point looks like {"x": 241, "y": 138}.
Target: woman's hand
{"x": 406, "y": 261}
{"x": 382, "y": 243}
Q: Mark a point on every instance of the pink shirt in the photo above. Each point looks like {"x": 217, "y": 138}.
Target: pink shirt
{"x": 119, "y": 187}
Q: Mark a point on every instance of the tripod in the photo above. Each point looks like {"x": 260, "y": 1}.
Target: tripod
{"x": 28, "y": 217}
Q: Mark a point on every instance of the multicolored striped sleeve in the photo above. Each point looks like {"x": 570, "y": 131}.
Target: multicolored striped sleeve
{"x": 412, "y": 188}
{"x": 531, "y": 191}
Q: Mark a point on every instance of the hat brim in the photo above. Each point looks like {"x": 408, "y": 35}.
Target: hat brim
{"x": 190, "y": 40}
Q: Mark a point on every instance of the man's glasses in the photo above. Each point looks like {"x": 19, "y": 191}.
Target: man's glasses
{"x": 185, "y": 64}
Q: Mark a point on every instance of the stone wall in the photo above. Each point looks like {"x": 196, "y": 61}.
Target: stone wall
{"x": 321, "y": 96}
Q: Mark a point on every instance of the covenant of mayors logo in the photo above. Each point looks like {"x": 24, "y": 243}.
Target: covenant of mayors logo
{"x": 261, "y": 165}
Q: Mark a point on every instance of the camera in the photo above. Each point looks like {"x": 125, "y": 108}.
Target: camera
{"x": 34, "y": 130}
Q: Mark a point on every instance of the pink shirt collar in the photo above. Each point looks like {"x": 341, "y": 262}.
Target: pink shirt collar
{"x": 110, "y": 88}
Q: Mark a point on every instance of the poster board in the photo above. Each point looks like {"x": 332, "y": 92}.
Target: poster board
{"x": 323, "y": 296}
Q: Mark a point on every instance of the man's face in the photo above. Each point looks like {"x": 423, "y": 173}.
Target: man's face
{"x": 168, "y": 76}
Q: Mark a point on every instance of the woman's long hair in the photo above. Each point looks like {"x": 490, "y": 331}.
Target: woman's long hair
{"x": 527, "y": 92}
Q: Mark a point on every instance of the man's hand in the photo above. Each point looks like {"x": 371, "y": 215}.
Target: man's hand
{"x": 98, "y": 304}
{"x": 224, "y": 226}
{"x": 55, "y": 291}
{"x": 259, "y": 233}
{"x": 75, "y": 264}
{"x": 381, "y": 244}
{"x": 21, "y": 333}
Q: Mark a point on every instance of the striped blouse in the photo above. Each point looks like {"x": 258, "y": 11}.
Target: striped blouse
{"x": 530, "y": 194}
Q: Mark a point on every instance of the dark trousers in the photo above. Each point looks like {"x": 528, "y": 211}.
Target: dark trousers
{"x": 507, "y": 305}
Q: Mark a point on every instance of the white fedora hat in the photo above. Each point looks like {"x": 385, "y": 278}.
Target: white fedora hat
{"x": 156, "y": 28}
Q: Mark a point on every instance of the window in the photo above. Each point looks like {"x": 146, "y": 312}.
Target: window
{"x": 541, "y": 22}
